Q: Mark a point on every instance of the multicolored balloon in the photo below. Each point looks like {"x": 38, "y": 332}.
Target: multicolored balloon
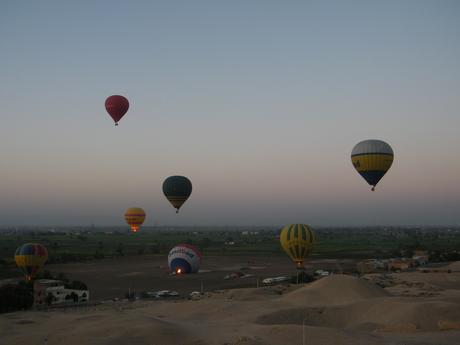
{"x": 372, "y": 159}
{"x": 177, "y": 190}
{"x": 184, "y": 258}
{"x": 116, "y": 106}
{"x": 30, "y": 258}
{"x": 297, "y": 240}
{"x": 135, "y": 217}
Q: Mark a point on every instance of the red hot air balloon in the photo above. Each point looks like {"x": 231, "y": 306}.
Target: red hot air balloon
{"x": 116, "y": 106}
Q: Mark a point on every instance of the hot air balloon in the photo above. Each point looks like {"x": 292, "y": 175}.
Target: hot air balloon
{"x": 116, "y": 106}
{"x": 297, "y": 241}
{"x": 372, "y": 159}
{"x": 177, "y": 189}
{"x": 30, "y": 258}
{"x": 135, "y": 217}
{"x": 184, "y": 258}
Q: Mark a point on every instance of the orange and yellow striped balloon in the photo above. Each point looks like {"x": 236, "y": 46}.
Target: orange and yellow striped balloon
{"x": 135, "y": 217}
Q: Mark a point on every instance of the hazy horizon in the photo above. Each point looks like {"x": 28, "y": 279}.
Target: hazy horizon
{"x": 259, "y": 104}
{"x": 219, "y": 228}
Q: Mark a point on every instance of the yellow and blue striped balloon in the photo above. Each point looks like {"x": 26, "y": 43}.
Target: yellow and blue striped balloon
{"x": 30, "y": 258}
{"x": 372, "y": 159}
{"x": 297, "y": 240}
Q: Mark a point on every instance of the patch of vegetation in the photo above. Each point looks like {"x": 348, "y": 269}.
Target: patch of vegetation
{"x": 78, "y": 245}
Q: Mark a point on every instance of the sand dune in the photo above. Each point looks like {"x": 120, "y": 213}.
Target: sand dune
{"x": 335, "y": 289}
{"x": 372, "y": 314}
{"x": 342, "y": 301}
{"x": 340, "y": 310}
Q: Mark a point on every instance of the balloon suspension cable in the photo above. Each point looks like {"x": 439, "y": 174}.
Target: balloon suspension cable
{"x": 373, "y": 188}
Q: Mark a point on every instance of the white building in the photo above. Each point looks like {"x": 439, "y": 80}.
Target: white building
{"x": 53, "y": 292}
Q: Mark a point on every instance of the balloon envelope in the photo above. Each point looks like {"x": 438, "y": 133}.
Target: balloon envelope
{"x": 30, "y": 258}
{"x": 297, "y": 240}
{"x": 177, "y": 189}
{"x": 372, "y": 159}
{"x": 184, "y": 258}
{"x": 116, "y": 106}
{"x": 135, "y": 217}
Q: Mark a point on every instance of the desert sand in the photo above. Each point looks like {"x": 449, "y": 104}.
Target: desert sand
{"x": 414, "y": 308}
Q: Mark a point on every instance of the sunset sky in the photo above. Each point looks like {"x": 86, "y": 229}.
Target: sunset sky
{"x": 259, "y": 103}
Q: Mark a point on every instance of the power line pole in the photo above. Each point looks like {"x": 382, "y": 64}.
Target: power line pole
{"x": 303, "y": 332}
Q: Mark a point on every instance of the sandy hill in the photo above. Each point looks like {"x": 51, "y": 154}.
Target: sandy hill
{"x": 339, "y": 310}
{"x": 335, "y": 289}
{"x": 370, "y": 314}
{"x": 347, "y": 302}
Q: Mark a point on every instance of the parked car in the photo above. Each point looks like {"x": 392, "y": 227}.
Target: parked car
{"x": 321, "y": 273}
{"x": 194, "y": 295}
{"x": 274, "y": 280}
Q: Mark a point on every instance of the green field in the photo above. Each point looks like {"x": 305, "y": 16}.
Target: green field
{"x": 75, "y": 246}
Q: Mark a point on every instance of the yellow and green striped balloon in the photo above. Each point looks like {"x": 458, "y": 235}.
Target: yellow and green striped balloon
{"x": 372, "y": 159}
{"x": 297, "y": 241}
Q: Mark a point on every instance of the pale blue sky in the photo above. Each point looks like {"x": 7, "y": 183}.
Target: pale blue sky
{"x": 259, "y": 103}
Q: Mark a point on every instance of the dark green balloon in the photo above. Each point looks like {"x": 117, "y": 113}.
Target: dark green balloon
{"x": 177, "y": 189}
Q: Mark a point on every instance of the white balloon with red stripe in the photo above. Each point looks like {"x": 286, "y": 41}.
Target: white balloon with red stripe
{"x": 184, "y": 258}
